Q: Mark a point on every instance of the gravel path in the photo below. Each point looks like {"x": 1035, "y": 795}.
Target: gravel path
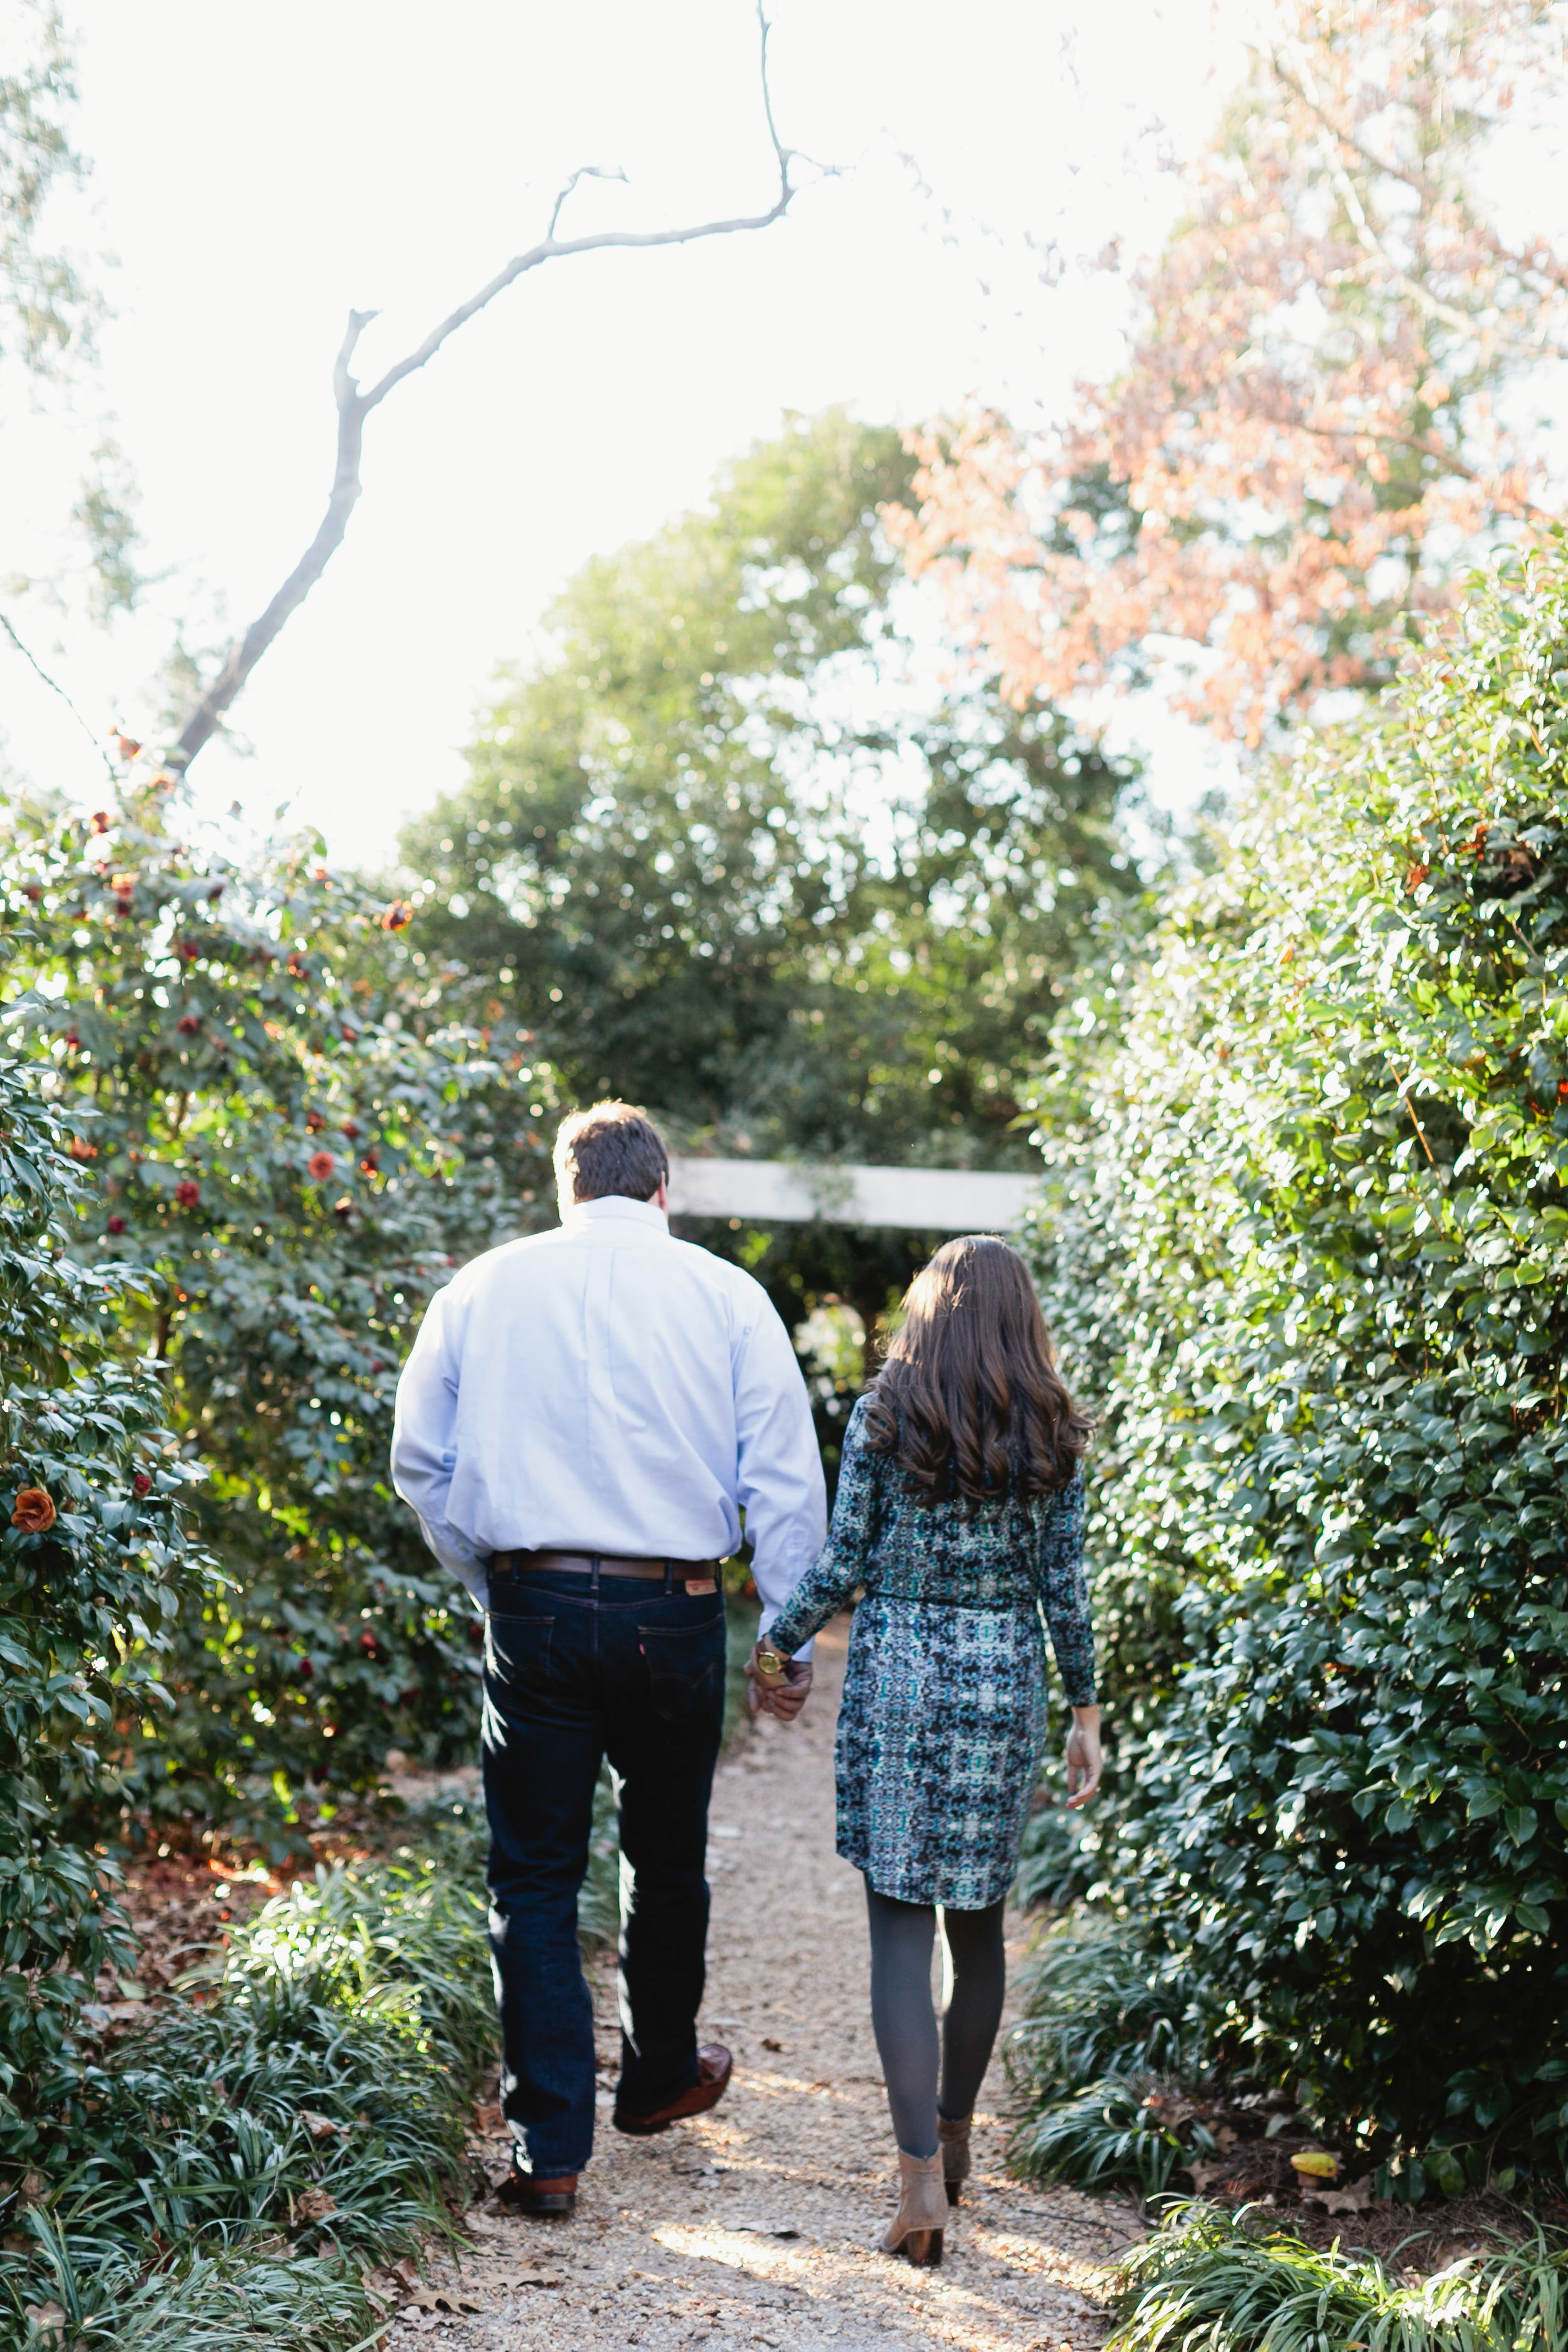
{"x": 759, "y": 2224}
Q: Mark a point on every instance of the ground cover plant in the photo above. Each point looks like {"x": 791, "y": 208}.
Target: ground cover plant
{"x": 1304, "y": 1228}
{"x": 243, "y": 2167}
{"x": 1208, "y": 2279}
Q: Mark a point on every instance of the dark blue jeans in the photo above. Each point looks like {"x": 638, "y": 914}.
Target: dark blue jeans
{"x": 576, "y": 1672}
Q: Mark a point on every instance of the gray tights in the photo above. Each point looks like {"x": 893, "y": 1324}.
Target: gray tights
{"x": 905, "y": 2021}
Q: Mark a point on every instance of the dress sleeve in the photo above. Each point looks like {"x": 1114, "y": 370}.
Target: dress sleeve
{"x": 840, "y": 1565}
{"x": 1064, "y": 1595}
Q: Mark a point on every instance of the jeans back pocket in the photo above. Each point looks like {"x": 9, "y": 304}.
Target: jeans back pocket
{"x": 686, "y": 1671}
{"x": 517, "y": 1651}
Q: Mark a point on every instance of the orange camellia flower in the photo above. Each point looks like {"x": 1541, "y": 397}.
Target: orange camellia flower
{"x": 320, "y": 1165}
{"x": 34, "y": 1513}
{"x": 81, "y": 1149}
{"x": 398, "y": 916}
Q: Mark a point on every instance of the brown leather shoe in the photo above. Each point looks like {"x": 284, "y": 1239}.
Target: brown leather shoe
{"x": 714, "y": 2068}
{"x": 525, "y": 2192}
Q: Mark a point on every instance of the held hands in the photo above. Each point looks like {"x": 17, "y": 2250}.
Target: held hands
{"x": 1084, "y": 1762}
{"x": 782, "y": 1696}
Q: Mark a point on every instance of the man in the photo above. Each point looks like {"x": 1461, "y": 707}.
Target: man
{"x": 584, "y": 1418}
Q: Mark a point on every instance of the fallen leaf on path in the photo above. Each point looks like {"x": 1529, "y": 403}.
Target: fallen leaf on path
{"x": 769, "y": 2044}
{"x": 48, "y": 2318}
{"x": 487, "y": 2117}
{"x": 315, "y": 2205}
{"x": 428, "y": 2298}
{"x": 319, "y": 2127}
{"x": 1353, "y": 2198}
{"x": 1206, "y": 2170}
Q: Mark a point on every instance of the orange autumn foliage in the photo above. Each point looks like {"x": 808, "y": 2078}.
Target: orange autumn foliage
{"x": 1305, "y": 446}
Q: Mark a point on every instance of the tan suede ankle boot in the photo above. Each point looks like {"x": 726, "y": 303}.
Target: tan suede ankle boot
{"x": 917, "y": 2224}
{"x": 952, "y": 2131}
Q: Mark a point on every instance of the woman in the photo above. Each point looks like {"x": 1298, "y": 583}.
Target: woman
{"x": 959, "y": 1513}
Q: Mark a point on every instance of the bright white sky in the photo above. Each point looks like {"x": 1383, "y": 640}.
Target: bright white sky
{"x": 259, "y": 171}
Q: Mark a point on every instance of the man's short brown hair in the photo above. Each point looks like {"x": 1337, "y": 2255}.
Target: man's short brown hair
{"x": 611, "y": 1148}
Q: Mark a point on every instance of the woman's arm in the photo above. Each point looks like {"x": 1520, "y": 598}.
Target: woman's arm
{"x": 840, "y": 1565}
{"x": 1065, "y": 1597}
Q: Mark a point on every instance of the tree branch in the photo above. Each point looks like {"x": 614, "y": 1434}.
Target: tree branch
{"x": 354, "y": 407}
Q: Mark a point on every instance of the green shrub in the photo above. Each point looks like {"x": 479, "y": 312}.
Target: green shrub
{"x": 87, "y": 1605}
{"x": 1105, "y": 2027}
{"x": 1207, "y": 2280}
{"x": 306, "y": 2125}
{"x": 283, "y": 1130}
{"x": 1305, "y": 1232}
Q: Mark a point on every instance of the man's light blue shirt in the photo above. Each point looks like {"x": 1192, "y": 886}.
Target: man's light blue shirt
{"x": 606, "y": 1388}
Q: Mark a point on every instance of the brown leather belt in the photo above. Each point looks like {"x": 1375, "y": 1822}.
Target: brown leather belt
{"x": 588, "y": 1563}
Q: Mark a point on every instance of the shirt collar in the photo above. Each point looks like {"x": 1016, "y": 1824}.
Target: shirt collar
{"x": 615, "y": 1208}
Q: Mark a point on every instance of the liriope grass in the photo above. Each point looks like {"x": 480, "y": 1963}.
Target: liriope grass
{"x": 1105, "y": 2029}
{"x": 1207, "y": 2281}
{"x": 242, "y": 2161}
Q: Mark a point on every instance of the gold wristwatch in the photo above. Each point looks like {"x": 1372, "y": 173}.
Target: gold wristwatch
{"x": 770, "y": 1663}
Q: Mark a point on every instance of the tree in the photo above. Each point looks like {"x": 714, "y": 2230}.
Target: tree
{"x": 47, "y": 308}
{"x": 1309, "y": 442}
{"x": 1303, "y": 1224}
{"x": 355, "y": 407}
{"x": 719, "y": 858}
{"x": 272, "y": 1128}
{"x": 94, "y": 1563}
{"x": 715, "y": 869}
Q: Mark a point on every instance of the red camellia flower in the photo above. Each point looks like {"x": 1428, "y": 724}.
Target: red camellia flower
{"x": 188, "y": 1025}
{"x": 351, "y": 1130}
{"x": 189, "y": 948}
{"x": 126, "y": 745}
{"x": 116, "y": 1224}
{"x": 344, "y": 1208}
{"x": 320, "y": 1165}
{"x": 314, "y": 1121}
{"x": 33, "y": 1512}
{"x": 187, "y": 1194}
{"x": 305, "y": 1670}
{"x": 398, "y": 916}
{"x": 81, "y": 1149}
{"x": 142, "y": 1484}
{"x": 71, "y": 1038}
{"x": 99, "y": 822}
{"x": 368, "y": 1165}
{"x": 369, "y": 1644}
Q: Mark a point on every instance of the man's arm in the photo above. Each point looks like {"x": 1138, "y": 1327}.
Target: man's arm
{"x": 423, "y": 1452}
{"x": 779, "y": 1480}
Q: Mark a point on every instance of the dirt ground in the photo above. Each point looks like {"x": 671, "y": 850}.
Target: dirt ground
{"x": 759, "y": 2224}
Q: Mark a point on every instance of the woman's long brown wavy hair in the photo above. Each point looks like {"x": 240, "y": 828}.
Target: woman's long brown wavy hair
{"x": 969, "y": 1401}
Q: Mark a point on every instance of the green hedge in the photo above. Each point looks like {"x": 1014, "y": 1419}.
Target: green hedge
{"x": 1305, "y": 1232}
{"x": 89, "y": 1584}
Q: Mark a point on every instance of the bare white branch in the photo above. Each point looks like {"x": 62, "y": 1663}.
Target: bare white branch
{"x": 354, "y": 405}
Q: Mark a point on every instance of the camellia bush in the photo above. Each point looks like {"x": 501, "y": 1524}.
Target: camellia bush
{"x": 1305, "y": 1233}
{"x": 270, "y": 1109}
{"x": 95, "y": 1563}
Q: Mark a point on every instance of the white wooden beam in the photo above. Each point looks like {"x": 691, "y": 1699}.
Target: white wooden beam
{"x": 927, "y": 1200}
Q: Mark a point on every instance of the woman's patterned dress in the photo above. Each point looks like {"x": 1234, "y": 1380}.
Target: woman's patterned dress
{"x": 944, "y": 1712}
